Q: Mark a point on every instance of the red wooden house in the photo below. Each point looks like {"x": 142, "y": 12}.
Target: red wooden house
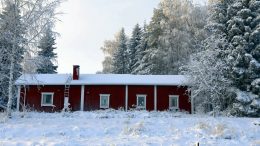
{"x": 85, "y": 92}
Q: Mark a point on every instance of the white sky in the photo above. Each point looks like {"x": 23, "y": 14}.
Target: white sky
{"x": 86, "y": 24}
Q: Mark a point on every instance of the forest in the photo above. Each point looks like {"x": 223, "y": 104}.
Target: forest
{"x": 215, "y": 45}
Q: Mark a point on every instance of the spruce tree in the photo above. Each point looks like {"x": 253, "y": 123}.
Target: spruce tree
{"x": 133, "y": 47}
{"x": 120, "y": 57}
{"x": 141, "y": 54}
{"x": 236, "y": 24}
{"x": 46, "y": 54}
{"x": 244, "y": 36}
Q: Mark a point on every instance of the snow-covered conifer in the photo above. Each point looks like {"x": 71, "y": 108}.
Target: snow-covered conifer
{"x": 133, "y": 47}
{"x": 120, "y": 57}
{"x": 152, "y": 64}
{"x": 46, "y": 54}
{"x": 173, "y": 34}
{"x": 141, "y": 57}
{"x": 244, "y": 36}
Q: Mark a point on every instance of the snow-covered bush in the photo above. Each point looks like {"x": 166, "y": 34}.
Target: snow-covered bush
{"x": 3, "y": 117}
{"x": 223, "y": 131}
{"x": 135, "y": 129}
{"x": 218, "y": 130}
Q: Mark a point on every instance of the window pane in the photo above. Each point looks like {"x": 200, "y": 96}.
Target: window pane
{"x": 104, "y": 101}
{"x": 173, "y": 102}
{"x": 47, "y": 99}
{"x": 140, "y": 101}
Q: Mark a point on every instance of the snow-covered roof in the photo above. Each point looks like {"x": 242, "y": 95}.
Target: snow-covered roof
{"x": 101, "y": 79}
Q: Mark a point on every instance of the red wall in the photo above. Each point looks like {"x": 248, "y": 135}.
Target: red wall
{"x": 74, "y": 99}
{"x": 117, "y": 97}
{"x": 92, "y": 97}
{"x": 163, "y": 93}
{"x": 33, "y": 97}
{"x": 147, "y": 90}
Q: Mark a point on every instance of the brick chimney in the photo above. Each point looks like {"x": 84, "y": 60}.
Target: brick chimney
{"x": 75, "y": 72}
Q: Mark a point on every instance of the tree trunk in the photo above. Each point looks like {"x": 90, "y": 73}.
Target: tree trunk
{"x": 11, "y": 72}
{"x": 10, "y": 86}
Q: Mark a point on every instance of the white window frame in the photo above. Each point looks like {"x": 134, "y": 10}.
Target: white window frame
{"x": 47, "y": 93}
{"x": 108, "y": 98}
{"x": 173, "y": 107}
{"x": 141, "y": 107}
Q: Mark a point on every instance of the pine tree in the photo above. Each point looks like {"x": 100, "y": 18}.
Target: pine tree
{"x": 133, "y": 47}
{"x": 120, "y": 57}
{"x": 46, "y": 54}
{"x": 12, "y": 50}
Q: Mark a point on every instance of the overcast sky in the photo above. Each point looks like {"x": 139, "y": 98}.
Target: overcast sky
{"x": 86, "y": 24}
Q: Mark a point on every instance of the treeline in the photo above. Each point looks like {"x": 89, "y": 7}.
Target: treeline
{"x": 26, "y": 42}
{"x": 160, "y": 47}
{"x": 216, "y": 46}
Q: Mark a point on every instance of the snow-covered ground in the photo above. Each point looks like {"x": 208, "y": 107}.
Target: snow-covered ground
{"x": 127, "y": 128}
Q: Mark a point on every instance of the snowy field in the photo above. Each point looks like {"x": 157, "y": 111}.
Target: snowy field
{"x": 127, "y": 128}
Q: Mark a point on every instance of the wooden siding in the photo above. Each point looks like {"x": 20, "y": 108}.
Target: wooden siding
{"x": 163, "y": 93}
{"x": 146, "y": 90}
{"x": 92, "y": 96}
{"x": 34, "y": 93}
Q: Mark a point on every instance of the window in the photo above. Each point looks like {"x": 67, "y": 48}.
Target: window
{"x": 141, "y": 101}
{"x": 104, "y": 100}
{"x": 173, "y": 102}
{"x": 47, "y": 99}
